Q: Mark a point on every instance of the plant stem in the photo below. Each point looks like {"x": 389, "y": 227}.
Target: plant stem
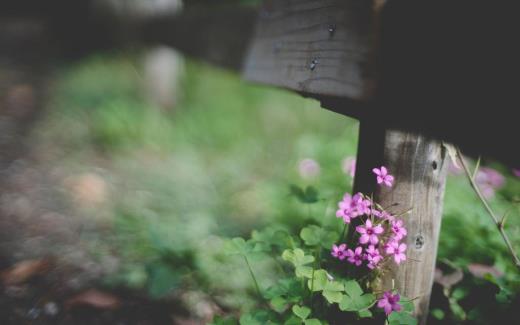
{"x": 315, "y": 265}
{"x": 254, "y": 278}
{"x": 498, "y": 224}
{"x": 344, "y": 232}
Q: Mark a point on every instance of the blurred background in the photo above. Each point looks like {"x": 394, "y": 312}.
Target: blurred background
{"x": 123, "y": 173}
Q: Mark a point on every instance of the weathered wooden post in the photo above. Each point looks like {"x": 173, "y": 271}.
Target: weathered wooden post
{"x": 419, "y": 166}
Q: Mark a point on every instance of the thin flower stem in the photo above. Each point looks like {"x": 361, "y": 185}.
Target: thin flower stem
{"x": 314, "y": 267}
{"x": 498, "y": 224}
{"x": 344, "y": 232}
{"x": 254, "y": 278}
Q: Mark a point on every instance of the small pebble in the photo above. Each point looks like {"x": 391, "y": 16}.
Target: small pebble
{"x": 34, "y": 313}
{"x": 51, "y": 308}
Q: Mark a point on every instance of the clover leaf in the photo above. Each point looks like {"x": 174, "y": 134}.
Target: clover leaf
{"x": 401, "y": 318}
{"x": 314, "y": 236}
{"x": 308, "y": 196}
{"x": 331, "y": 290}
{"x": 298, "y": 258}
{"x": 301, "y": 311}
{"x": 355, "y": 299}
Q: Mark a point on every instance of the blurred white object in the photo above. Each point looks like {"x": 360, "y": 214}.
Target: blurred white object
{"x": 163, "y": 69}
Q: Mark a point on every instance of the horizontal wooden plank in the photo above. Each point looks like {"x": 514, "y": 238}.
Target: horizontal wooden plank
{"x": 313, "y": 46}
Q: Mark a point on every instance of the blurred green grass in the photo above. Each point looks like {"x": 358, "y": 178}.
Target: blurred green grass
{"x": 219, "y": 164}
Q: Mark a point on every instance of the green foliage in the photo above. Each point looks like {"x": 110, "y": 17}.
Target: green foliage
{"x": 217, "y": 320}
{"x": 308, "y": 195}
{"x": 355, "y": 299}
{"x": 404, "y": 317}
{"x": 301, "y": 311}
{"x": 314, "y": 235}
{"x": 217, "y": 166}
{"x": 300, "y": 262}
{"x": 331, "y": 290}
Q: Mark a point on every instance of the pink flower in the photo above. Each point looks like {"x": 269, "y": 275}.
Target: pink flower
{"x": 493, "y": 177}
{"x": 308, "y": 168}
{"x": 382, "y": 215}
{"x": 339, "y": 251}
{"x": 369, "y": 233}
{"x": 398, "y": 229}
{"x": 389, "y": 303}
{"x": 489, "y": 180}
{"x": 362, "y": 205}
{"x": 346, "y": 209}
{"x": 349, "y": 166}
{"x": 356, "y": 256}
{"x": 388, "y": 216}
{"x": 383, "y": 177}
{"x": 516, "y": 172}
{"x": 352, "y": 206}
{"x": 396, "y": 249}
{"x": 373, "y": 256}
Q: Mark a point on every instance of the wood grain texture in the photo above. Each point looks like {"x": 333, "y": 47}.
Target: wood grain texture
{"x": 312, "y": 46}
{"x": 419, "y": 165}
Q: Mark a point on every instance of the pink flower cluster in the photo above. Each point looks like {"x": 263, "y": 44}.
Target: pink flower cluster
{"x": 389, "y": 302}
{"x": 380, "y": 233}
{"x": 351, "y": 207}
{"x": 378, "y": 238}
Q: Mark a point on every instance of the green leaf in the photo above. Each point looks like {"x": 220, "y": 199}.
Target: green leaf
{"x": 308, "y": 196}
{"x": 355, "y": 300}
{"x": 237, "y": 246}
{"x": 314, "y": 235}
{"x": 401, "y": 318}
{"x": 298, "y": 258}
{"x": 303, "y": 271}
{"x": 407, "y": 305}
{"x": 293, "y": 320}
{"x": 312, "y": 321}
{"x": 301, "y": 311}
{"x": 278, "y": 304}
{"x": 311, "y": 195}
{"x": 218, "y": 320}
{"x": 257, "y": 318}
{"x": 162, "y": 279}
{"x": 318, "y": 281}
{"x": 271, "y": 237}
{"x": 290, "y": 288}
{"x": 438, "y": 313}
{"x": 365, "y": 313}
{"x": 332, "y": 290}
{"x": 332, "y": 296}
{"x": 297, "y": 192}
{"x": 352, "y": 288}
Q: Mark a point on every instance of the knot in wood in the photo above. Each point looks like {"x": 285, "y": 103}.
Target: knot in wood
{"x": 313, "y": 64}
{"x": 419, "y": 241}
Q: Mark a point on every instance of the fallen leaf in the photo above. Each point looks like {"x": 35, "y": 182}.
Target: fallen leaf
{"x": 94, "y": 298}
{"x": 24, "y": 271}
